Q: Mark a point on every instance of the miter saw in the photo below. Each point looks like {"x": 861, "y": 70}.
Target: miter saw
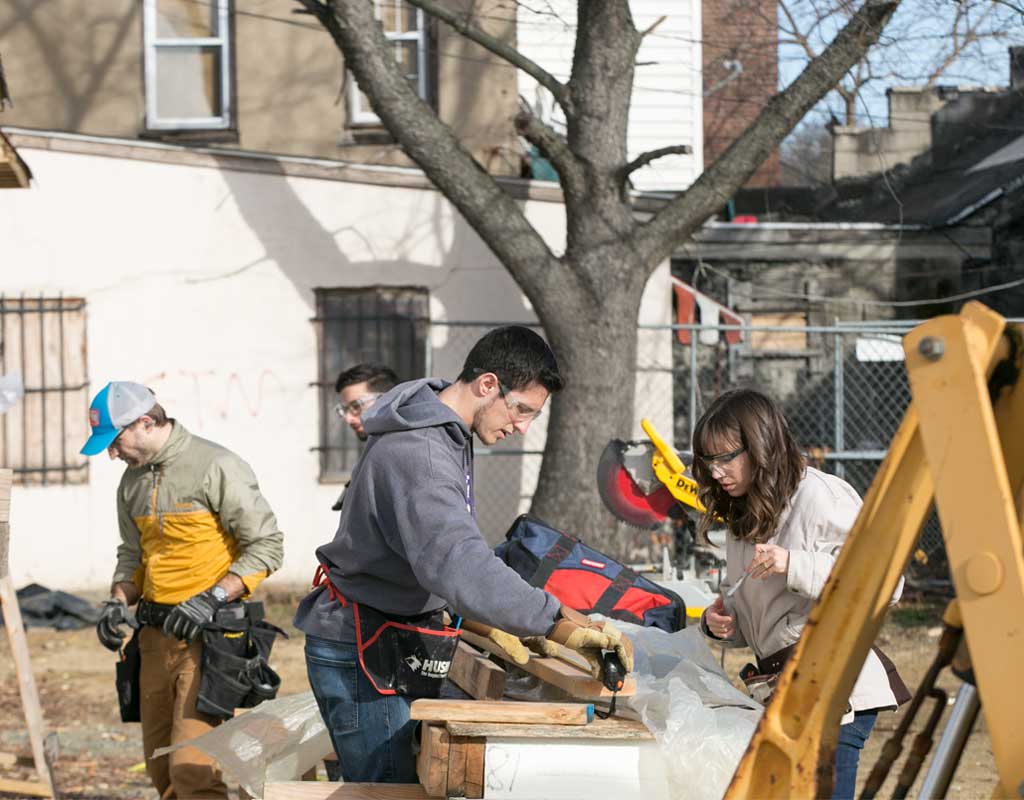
{"x": 644, "y": 482}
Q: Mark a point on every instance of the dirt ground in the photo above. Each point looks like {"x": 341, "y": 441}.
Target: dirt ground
{"x": 101, "y": 757}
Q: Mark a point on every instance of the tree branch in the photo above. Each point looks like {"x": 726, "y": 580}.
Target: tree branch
{"x": 462, "y": 24}
{"x": 717, "y": 184}
{"x": 644, "y": 159}
{"x": 553, "y": 147}
{"x": 489, "y": 210}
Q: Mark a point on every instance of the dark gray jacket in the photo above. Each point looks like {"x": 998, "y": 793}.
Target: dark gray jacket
{"x": 408, "y": 542}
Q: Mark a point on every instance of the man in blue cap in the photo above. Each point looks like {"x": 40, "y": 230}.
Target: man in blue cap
{"x": 196, "y": 536}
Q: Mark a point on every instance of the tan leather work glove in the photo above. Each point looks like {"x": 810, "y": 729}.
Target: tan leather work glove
{"x": 589, "y": 638}
{"x": 506, "y": 641}
{"x": 541, "y": 646}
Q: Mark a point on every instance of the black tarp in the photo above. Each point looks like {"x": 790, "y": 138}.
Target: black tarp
{"x": 46, "y": 608}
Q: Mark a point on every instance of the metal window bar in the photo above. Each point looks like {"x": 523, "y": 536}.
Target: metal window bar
{"x": 388, "y": 325}
{"x": 21, "y": 314}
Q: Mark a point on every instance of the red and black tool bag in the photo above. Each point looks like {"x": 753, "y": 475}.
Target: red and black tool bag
{"x": 587, "y": 580}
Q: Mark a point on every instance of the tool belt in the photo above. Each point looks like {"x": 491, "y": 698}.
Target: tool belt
{"x": 152, "y": 614}
{"x": 760, "y": 680}
{"x": 236, "y": 672}
{"x": 408, "y": 656}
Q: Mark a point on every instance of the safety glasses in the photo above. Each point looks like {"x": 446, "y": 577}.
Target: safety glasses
{"x": 357, "y": 406}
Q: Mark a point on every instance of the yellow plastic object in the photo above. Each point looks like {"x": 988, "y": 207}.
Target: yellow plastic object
{"x": 955, "y": 446}
{"x": 670, "y": 469}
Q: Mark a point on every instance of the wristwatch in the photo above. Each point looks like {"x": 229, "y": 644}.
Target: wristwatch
{"x": 220, "y": 594}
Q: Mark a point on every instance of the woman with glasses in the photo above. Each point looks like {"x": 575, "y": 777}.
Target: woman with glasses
{"x": 787, "y": 522}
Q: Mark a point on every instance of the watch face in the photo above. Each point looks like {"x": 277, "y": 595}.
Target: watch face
{"x": 220, "y": 593}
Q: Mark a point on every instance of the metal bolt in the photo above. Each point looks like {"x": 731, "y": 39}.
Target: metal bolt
{"x": 931, "y": 347}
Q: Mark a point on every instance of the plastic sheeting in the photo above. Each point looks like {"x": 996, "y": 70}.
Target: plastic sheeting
{"x": 701, "y": 722}
{"x": 279, "y": 740}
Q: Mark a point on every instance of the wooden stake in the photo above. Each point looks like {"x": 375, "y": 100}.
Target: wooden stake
{"x": 19, "y": 648}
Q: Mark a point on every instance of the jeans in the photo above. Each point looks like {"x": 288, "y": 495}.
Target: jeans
{"x": 852, "y": 737}
{"x": 371, "y": 732}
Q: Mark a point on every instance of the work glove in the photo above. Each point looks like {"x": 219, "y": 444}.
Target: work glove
{"x": 187, "y": 619}
{"x": 590, "y": 639}
{"x": 506, "y": 641}
{"x": 108, "y": 629}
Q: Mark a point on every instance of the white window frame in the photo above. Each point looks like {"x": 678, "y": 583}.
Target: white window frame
{"x": 152, "y": 43}
{"x": 357, "y": 116}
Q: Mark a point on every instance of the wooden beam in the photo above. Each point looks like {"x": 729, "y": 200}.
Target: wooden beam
{"x": 476, "y": 674}
{"x": 21, "y": 788}
{"x": 432, "y": 761}
{"x": 465, "y": 767}
{"x": 598, "y": 729}
{"x": 6, "y": 479}
{"x": 564, "y": 672}
{"x": 305, "y": 790}
{"x": 26, "y": 680}
{"x": 497, "y": 711}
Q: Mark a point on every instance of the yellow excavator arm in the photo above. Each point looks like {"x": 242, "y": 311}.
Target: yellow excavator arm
{"x": 962, "y": 444}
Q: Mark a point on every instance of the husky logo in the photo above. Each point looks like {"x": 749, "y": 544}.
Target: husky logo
{"x": 414, "y": 663}
{"x": 431, "y": 668}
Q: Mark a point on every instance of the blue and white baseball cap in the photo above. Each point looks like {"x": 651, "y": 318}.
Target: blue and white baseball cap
{"x": 117, "y": 406}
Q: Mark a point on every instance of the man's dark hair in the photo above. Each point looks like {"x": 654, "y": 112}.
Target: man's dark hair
{"x": 517, "y": 355}
{"x": 158, "y": 415}
{"x": 378, "y": 377}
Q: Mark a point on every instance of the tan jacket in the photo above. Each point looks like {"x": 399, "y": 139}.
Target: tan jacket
{"x": 771, "y": 612}
{"x": 189, "y": 517}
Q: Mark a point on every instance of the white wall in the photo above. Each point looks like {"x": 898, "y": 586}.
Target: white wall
{"x": 199, "y": 283}
{"x": 667, "y": 104}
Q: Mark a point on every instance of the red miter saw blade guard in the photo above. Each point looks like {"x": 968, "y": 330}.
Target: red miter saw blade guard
{"x": 623, "y": 497}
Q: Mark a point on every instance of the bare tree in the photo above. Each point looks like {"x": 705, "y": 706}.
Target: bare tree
{"x": 807, "y": 155}
{"x": 927, "y": 41}
{"x": 588, "y": 297}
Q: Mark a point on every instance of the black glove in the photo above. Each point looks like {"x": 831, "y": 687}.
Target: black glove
{"x": 115, "y": 614}
{"x": 187, "y": 619}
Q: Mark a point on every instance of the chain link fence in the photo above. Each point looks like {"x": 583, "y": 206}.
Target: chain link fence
{"x": 843, "y": 388}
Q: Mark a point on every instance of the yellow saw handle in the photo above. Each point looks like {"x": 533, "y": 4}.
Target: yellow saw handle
{"x": 670, "y": 470}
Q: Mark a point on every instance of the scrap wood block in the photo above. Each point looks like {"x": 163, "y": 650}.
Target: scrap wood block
{"x": 465, "y": 767}
{"x": 499, "y": 711}
{"x": 432, "y": 761}
{"x": 450, "y": 766}
{"x": 566, "y": 672}
{"x": 476, "y": 674}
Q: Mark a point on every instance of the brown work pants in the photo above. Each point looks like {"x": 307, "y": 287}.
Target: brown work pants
{"x": 168, "y": 687}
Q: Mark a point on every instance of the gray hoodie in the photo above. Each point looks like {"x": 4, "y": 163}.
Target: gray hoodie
{"x": 408, "y": 542}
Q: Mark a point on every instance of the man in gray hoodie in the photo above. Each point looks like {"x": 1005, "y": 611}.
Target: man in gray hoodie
{"x": 408, "y": 545}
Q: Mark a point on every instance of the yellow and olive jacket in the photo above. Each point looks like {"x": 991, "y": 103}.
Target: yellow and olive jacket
{"x": 190, "y": 516}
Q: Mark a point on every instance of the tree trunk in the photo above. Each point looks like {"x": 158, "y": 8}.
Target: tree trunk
{"x": 596, "y": 345}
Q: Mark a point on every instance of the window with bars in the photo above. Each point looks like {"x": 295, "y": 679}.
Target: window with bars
{"x": 388, "y": 325}
{"x": 43, "y": 340}
{"x": 187, "y": 64}
{"x": 404, "y": 26}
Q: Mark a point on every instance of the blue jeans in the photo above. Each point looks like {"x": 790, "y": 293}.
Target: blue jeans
{"x": 371, "y": 732}
{"x": 852, "y": 737}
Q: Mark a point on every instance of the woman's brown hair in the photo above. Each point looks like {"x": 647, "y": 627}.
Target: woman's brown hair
{"x": 775, "y": 461}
